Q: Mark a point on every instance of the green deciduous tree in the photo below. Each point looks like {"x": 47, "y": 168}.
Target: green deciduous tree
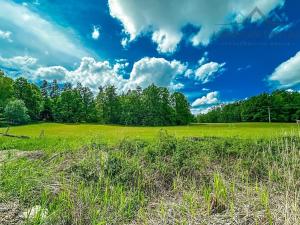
{"x": 16, "y": 112}
{"x": 182, "y": 109}
{"x": 31, "y": 95}
{"x": 153, "y": 106}
{"x": 69, "y": 106}
{"x": 112, "y": 105}
{"x": 6, "y": 90}
{"x": 89, "y": 113}
{"x": 284, "y": 106}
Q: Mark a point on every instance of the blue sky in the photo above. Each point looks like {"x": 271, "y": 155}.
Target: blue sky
{"x": 213, "y": 51}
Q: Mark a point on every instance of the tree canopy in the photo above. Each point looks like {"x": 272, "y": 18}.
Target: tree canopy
{"x": 281, "y": 106}
{"x": 6, "y": 90}
{"x": 153, "y": 106}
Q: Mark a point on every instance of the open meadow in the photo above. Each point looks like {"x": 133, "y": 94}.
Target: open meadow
{"x": 199, "y": 174}
{"x": 64, "y": 136}
{"x": 158, "y": 112}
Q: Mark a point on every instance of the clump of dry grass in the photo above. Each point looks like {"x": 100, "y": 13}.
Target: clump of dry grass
{"x": 258, "y": 187}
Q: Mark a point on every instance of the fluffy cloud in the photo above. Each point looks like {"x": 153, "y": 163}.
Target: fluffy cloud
{"x": 207, "y": 72}
{"x": 41, "y": 38}
{"x": 204, "y": 59}
{"x": 155, "y": 70}
{"x": 288, "y": 73}
{"x": 165, "y": 19}
{"x": 96, "y": 33}
{"x": 210, "y": 99}
{"x": 120, "y": 66}
{"x": 93, "y": 74}
{"x": 176, "y": 87}
{"x": 90, "y": 73}
{"x": 51, "y": 73}
{"x": 18, "y": 63}
{"x": 197, "y": 111}
{"x": 6, "y": 35}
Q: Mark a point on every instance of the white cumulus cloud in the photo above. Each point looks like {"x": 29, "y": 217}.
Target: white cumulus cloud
{"x": 93, "y": 74}
{"x": 164, "y": 19}
{"x": 90, "y": 73}
{"x": 204, "y": 59}
{"x": 288, "y": 73}
{"x": 210, "y": 99}
{"x": 18, "y": 62}
{"x": 18, "y": 66}
{"x": 96, "y": 33}
{"x": 51, "y": 73}
{"x": 155, "y": 70}
{"x": 208, "y": 71}
{"x": 6, "y": 35}
{"x": 176, "y": 86}
{"x": 197, "y": 111}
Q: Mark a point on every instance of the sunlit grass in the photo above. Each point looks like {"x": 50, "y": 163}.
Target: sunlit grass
{"x": 166, "y": 180}
{"x": 63, "y": 136}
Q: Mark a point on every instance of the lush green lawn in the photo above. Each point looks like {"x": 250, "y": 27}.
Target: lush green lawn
{"x": 70, "y": 135}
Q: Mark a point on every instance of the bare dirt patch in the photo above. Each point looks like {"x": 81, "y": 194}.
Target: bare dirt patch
{"x": 10, "y": 210}
{"x": 10, "y": 213}
{"x": 7, "y": 155}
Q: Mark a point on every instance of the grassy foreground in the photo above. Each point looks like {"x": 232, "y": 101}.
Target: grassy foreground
{"x": 160, "y": 178}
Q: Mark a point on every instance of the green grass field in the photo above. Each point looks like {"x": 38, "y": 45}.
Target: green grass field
{"x": 93, "y": 175}
{"x": 70, "y": 135}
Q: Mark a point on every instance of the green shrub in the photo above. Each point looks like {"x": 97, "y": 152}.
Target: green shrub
{"x": 122, "y": 170}
{"x": 16, "y": 112}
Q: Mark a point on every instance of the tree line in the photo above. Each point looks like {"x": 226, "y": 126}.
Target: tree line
{"x": 22, "y": 102}
{"x": 279, "y": 106}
